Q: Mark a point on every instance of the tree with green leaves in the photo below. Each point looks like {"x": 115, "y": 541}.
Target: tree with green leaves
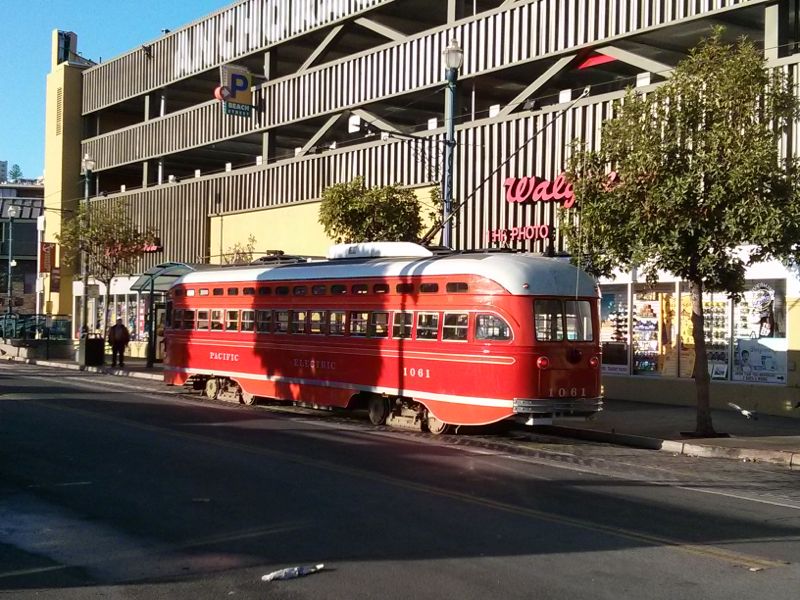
{"x": 688, "y": 179}
{"x": 111, "y": 240}
{"x": 14, "y": 173}
{"x": 351, "y": 212}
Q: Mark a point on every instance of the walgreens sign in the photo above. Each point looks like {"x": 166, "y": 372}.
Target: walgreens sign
{"x": 533, "y": 189}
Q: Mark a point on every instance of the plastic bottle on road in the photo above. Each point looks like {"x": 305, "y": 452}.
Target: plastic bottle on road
{"x": 292, "y": 572}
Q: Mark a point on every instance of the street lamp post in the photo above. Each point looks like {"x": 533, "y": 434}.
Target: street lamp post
{"x": 453, "y": 58}
{"x": 13, "y": 213}
{"x": 87, "y": 166}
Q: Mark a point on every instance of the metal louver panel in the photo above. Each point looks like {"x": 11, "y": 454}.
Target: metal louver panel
{"x": 498, "y": 40}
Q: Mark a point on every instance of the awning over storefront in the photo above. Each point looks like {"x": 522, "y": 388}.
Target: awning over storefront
{"x": 161, "y": 277}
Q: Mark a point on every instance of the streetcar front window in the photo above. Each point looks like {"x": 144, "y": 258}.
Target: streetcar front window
{"x": 549, "y": 316}
{"x": 559, "y": 320}
{"x": 578, "y": 315}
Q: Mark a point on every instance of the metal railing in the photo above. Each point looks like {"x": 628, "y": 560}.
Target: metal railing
{"x": 54, "y": 327}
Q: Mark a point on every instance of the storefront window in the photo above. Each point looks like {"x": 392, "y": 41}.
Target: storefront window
{"x": 614, "y": 329}
{"x": 760, "y": 333}
{"x": 654, "y": 332}
{"x": 716, "y": 313}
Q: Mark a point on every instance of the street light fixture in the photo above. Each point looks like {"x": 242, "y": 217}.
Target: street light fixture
{"x": 453, "y": 59}
{"x": 13, "y": 213}
{"x": 87, "y": 166}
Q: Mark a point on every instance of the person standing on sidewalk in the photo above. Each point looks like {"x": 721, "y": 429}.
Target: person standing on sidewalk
{"x": 118, "y": 338}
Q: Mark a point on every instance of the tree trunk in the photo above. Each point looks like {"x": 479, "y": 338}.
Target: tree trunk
{"x": 106, "y": 309}
{"x": 701, "y": 378}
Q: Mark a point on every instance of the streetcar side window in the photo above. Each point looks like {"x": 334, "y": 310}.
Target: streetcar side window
{"x": 190, "y": 292}
{"x": 358, "y": 323}
{"x": 203, "y": 291}
{"x": 338, "y": 289}
{"x": 379, "y": 324}
{"x": 232, "y": 320}
{"x": 457, "y": 287}
{"x": 380, "y": 288}
{"x": 178, "y": 293}
{"x": 299, "y": 321}
{"x": 264, "y": 321}
{"x": 218, "y": 291}
{"x": 177, "y": 318}
{"x": 188, "y": 319}
{"x": 549, "y": 320}
{"x": 248, "y": 320}
{"x": 233, "y": 291}
{"x": 491, "y": 327}
{"x": 216, "y": 320}
{"x": 404, "y": 288}
{"x": 359, "y": 289}
{"x": 319, "y": 290}
{"x": 579, "y": 320}
{"x": 455, "y": 327}
{"x": 202, "y": 320}
{"x": 299, "y": 290}
{"x": 403, "y": 322}
{"x": 427, "y": 326}
{"x": 429, "y": 288}
{"x": 317, "y": 322}
{"x": 336, "y": 322}
{"x": 249, "y": 291}
{"x": 281, "y": 321}
{"x": 264, "y": 291}
{"x": 282, "y": 290}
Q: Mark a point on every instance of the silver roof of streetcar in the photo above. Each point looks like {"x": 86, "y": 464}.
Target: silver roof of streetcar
{"x": 543, "y": 276}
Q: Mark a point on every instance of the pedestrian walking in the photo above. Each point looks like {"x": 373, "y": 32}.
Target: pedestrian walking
{"x": 118, "y": 338}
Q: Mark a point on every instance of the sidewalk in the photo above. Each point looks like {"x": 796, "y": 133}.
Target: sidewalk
{"x": 658, "y": 426}
{"x": 639, "y": 424}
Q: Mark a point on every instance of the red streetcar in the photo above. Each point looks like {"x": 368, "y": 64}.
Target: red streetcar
{"x": 421, "y": 340}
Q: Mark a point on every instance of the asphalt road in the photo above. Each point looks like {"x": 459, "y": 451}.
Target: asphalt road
{"x": 126, "y": 489}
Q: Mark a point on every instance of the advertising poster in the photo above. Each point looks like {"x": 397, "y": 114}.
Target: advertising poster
{"x": 757, "y": 361}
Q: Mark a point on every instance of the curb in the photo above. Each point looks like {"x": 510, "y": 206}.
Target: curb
{"x": 778, "y": 457}
{"x": 101, "y": 370}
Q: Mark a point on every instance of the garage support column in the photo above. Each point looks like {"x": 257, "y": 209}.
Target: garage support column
{"x": 456, "y": 9}
{"x": 776, "y": 29}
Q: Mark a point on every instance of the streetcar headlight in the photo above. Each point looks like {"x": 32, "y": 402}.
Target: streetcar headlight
{"x": 543, "y": 362}
{"x": 594, "y": 362}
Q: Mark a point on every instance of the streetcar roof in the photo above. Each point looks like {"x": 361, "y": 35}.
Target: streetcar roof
{"x": 543, "y": 276}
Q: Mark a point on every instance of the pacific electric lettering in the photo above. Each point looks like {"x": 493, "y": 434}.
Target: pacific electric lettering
{"x": 252, "y": 25}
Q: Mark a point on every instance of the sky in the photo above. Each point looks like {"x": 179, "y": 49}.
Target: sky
{"x": 105, "y": 28}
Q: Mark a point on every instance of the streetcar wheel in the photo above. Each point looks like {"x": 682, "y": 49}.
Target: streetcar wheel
{"x": 213, "y": 386}
{"x": 379, "y": 408}
{"x": 436, "y": 426}
{"x": 247, "y": 398}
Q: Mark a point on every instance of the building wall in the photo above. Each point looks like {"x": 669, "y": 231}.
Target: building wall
{"x": 293, "y": 229}
{"x": 62, "y": 165}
